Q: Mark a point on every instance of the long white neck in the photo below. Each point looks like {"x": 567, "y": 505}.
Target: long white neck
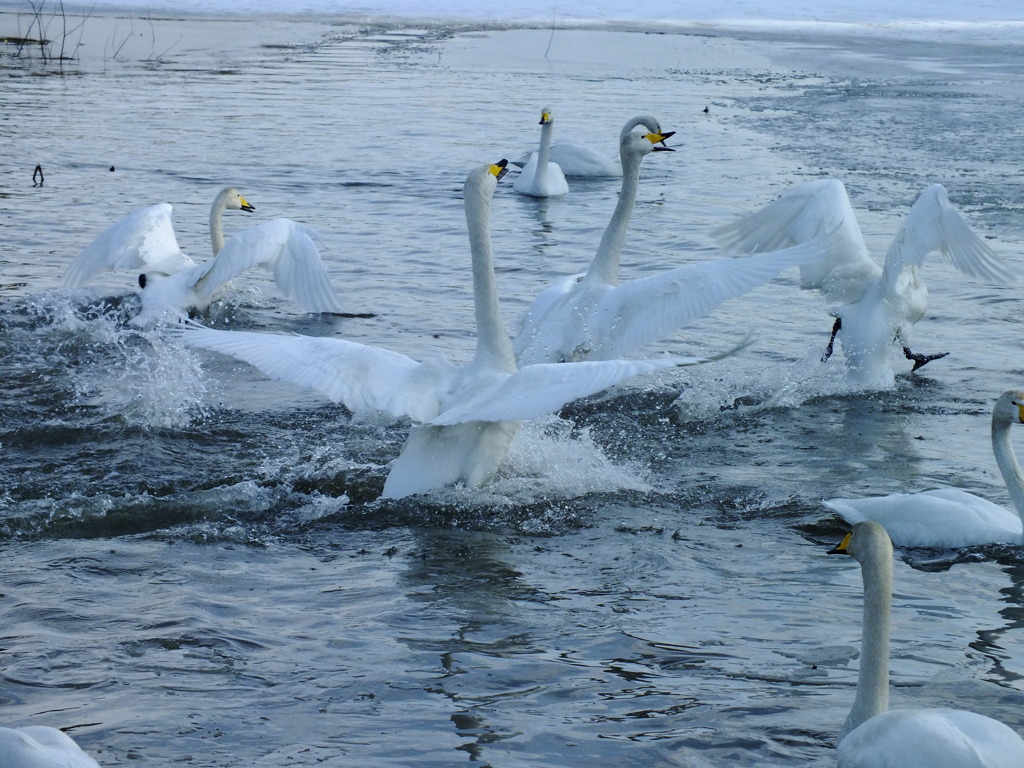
{"x": 220, "y": 203}
{"x": 544, "y": 151}
{"x": 493, "y": 346}
{"x": 605, "y": 266}
{"x": 873, "y": 677}
{"x": 1008, "y": 466}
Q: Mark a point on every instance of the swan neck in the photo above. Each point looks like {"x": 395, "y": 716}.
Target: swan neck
{"x": 544, "y": 151}
{"x": 493, "y": 346}
{"x": 873, "y": 676}
{"x": 1008, "y": 466}
{"x": 220, "y": 203}
{"x": 605, "y": 266}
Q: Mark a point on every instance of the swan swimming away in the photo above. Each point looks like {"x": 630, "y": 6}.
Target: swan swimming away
{"x": 575, "y": 160}
{"x": 171, "y": 281}
{"x": 876, "y": 737}
{"x": 873, "y": 305}
{"x": 39, "y": 746}
{"x": 541, "y": 177}
{"x": 465, "y": 417}
{"x": 591, "y": 316}
{"x": 951, "y": 517}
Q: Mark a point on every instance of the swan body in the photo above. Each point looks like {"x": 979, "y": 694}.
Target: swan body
{"x": 464, "y": 417}
{"x": 591, "y": 316}
{"x": 39, "y": 746}
{"x": 873, "y": 305}
{"x": 541, "y": 177}
{"x": 951, "y": 517}
{"x": 876, "y": 737}
{"x": 144, "y": 241}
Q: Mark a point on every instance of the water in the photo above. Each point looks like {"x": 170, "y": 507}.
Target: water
{"x": 195, "y": 565}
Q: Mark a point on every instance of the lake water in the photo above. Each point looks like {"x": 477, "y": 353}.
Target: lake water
{"x": 195, "y": 566}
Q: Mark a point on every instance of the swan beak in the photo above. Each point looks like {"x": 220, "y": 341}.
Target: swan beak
{"x": 545, "y": 118}
{"x": 246, "y": 205}
{"x": 843, "y": 548}
{"x": 1020, "y": 412}
{"x": 658, "y": 140}
{"x": 499, "y": 169}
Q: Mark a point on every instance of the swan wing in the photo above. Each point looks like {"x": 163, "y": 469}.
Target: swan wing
{"x": 800, "y": 214}
{"x": 536, "y": 390}
{"x": 642, "y": 311}
{"x": 39, "y": 746}
{"x": 361, "y": 377}
{"x": 534, "y": 339}
{"x": 143, "y": 241}
{"x": 933, "y": 224}
{"x": 580, "y": 160}
{"x": 285, "y": 247}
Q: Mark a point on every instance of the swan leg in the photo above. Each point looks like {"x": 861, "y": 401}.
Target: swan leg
{"x": 920, "y": 360}
{"x": 832, "y": 339}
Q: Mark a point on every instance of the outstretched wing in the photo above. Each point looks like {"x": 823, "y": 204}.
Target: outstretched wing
{"x": 797, "y": 216}
{"x": 637, "y": 313}
{"x": 362, "y": 377}
{"x": 933, "y": 224}
{"x": 285, "y": 247}
{"x": 536, "y": 390}
{"x": 142, "y": 241}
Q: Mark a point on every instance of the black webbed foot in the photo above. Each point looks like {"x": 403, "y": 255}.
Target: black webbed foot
{"x": 832, "y": 339}
{"x": 920, "y": 360}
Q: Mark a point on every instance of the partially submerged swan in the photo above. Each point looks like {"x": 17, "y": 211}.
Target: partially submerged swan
{"x": 39, "y": 746}
{"x": 541, "y": 176}
{"x": 464, "y": 416}
{"x": 144, "y": 241}
{"x": 590, "y": 316}
{"x": 873, "y": 305}
{"x": 951, "y": 517}
{"x": 876, "y": 737}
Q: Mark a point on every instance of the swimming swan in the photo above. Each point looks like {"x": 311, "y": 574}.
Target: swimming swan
{"x": 144, "y": 241}
{"x": 876, "y": 737}
{"x": 873, "y": 305}
{"x": 591, "y": 317}
{"x": 540, "y": 176}
{"x": 465, "y": 417}
{"x": 950, "y": 517}
{"x": 39, "y": 746}
{"x": 576, "y": 160}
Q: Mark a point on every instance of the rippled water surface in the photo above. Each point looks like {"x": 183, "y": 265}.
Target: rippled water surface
{"x": 195, "y": 566}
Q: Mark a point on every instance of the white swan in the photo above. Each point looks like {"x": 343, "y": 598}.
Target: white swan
{"x": 591, "y": 317}
{"x": 873, "y": 305}
{"x": 465, "y": 417}
{"x": 950, "y": 517}
{"x": 576, "y": 160}
{"x": 39, "y": 746}
{"x": 540, "y": 176}
{"x": 874, "y": 737}
{"x": 144, "y": 241}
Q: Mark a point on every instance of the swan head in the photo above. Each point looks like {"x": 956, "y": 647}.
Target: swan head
{"x": 639, "y": 143}
{"x": 867, "y": 540}
{"x": 1009, "y": 408}
{"x": 545, "y": 116}
{"x": 233, "y": 201}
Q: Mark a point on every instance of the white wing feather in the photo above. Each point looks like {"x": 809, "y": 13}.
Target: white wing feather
{"x": 285, "y": 247}
{"x": 362, "y": 377}
{"x": 143, "y": 241}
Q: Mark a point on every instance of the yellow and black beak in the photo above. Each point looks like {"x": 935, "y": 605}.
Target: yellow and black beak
{"x": 545, "y": 118}
{"x": 246, "y": 206}
{"x": 499, "y": 169}
{"x": 658, "y": 140}
{"x": 843, "y": 548}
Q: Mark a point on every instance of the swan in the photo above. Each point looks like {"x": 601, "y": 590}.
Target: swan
{"x": 576, "y": 160}
{"x": 465, "y": 417}
{"x": 950, "y": 517}
{"x": 540, "y": 176}
{"x": 591, "y": 317}
{"x": 873, "y": 305}
{"x": 171, "y": 281}
{"x": 876, "y": 737}
{"x": 39, "y": 746}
